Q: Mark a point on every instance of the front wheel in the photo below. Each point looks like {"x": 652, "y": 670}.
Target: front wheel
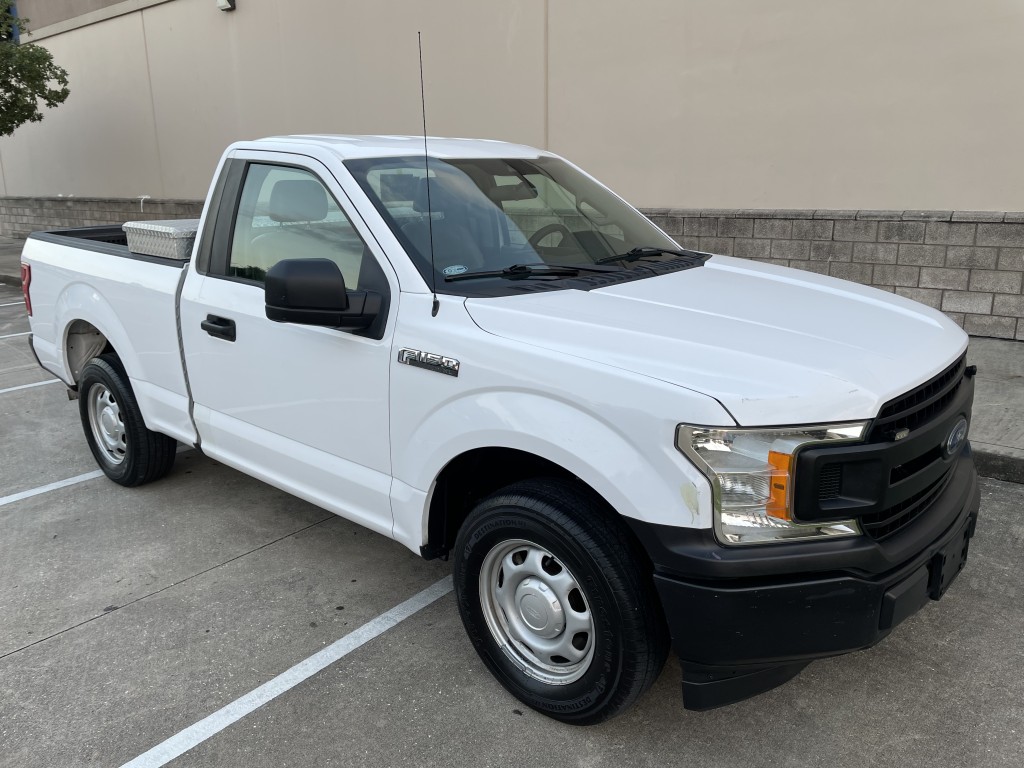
{"x": 127, "y": 451}
{"x": 557, "y": 602}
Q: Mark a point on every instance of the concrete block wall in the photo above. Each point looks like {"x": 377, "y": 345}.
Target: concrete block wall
{"x": 21, "y": 215}
{"x": 969, "y": 264}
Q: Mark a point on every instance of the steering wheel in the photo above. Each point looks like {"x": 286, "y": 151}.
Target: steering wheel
{"x": 549, "y": 229}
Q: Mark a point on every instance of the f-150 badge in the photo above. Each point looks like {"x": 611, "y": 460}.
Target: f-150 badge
{"x": 428, "y": 360}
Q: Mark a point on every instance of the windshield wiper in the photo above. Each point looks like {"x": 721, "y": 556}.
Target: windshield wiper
{"x": 520, "y": 271}
{"x": 639, "y": 253}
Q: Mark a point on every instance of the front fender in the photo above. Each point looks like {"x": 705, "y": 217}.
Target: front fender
{"x": 636, "y": 469}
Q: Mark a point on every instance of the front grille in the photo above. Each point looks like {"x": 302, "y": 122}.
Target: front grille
{"x": 898, "y": 474}
{"x": 910, "y": 468}
{"x": 920, "y": 405}
{"x": 913, "y": 411}
{"x": 892, "y": 519}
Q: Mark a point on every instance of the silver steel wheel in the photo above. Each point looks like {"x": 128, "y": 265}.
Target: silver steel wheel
{"x": 107, "y": 424}
{"x": 537, "y": 612}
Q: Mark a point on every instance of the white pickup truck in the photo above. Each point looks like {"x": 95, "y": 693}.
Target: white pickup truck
{"x": 480, "y": 351}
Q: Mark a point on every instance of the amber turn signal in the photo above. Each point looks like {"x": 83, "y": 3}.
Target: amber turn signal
{"x": 778, "y": 501}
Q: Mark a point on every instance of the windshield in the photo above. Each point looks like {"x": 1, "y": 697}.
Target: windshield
{"x": 491, "y": 214}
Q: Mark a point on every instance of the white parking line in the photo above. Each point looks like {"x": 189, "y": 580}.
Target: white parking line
{"x": 5, "y": 500}
{"x": 13, "y": 304}
{"x": 15, "y": 335}
{"x": 194, "y": 735}
{"x": 29, "y": 386}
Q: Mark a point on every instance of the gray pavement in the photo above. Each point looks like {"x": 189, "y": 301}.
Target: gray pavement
{"x": 10, "y": 261}
{"x": 997, "y": 426}
{"x": 127, "y": 615}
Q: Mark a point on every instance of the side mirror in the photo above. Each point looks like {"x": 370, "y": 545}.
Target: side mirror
{"x": 312, "y": 292}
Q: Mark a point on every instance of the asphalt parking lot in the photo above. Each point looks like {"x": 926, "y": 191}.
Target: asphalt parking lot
{"x": 127, "y": 616}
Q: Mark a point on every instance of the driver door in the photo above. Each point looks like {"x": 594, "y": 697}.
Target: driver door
{"x": 304, "y": 408}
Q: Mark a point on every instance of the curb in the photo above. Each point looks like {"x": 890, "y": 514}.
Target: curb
{"x": 998, "y": 466}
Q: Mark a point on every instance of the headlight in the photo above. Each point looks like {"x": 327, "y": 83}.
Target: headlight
{"x": 751, "y": 473}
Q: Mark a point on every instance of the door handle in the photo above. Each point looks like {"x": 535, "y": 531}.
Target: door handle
{"x": 221, "y": 327}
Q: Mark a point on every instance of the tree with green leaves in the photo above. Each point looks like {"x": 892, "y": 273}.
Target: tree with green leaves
{"x": 27, "y": 74}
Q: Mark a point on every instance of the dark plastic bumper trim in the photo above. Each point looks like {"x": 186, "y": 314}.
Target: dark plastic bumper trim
{"x": 741, "y": 624}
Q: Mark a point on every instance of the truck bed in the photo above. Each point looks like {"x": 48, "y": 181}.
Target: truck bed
{"x": 108, "y": 238}
{"x": 85, "y": 279}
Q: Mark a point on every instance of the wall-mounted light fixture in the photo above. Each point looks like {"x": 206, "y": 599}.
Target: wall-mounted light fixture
{"x": 226, "y": 5}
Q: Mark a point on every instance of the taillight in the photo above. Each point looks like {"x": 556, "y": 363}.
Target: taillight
{"x": 26, "y": 281}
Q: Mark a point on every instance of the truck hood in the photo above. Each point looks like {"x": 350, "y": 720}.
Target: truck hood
{"x": 772, "y": 345}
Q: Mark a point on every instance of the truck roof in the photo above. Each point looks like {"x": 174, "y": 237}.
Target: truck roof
{"x": 349, "y": 147}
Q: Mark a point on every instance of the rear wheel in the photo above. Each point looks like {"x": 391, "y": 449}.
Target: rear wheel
{"x": 557, "y": 601}
{"x": 127, "y": 452}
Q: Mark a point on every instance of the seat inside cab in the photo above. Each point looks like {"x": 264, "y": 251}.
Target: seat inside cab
{"x": 300, "y": 228}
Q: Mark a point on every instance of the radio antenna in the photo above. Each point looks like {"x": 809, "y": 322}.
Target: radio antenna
{"x": 426, "y": 167}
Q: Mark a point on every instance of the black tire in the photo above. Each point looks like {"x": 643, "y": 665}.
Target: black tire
{"x": 577, "y": 529}
{"x": 144, "y": 455}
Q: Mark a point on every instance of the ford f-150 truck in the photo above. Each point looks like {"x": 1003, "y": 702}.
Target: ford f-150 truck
{"x": 480, "y": 351}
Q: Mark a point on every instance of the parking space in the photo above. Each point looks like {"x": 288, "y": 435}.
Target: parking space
{"x": 17, "y": 366}
{"x": 42, "y": 439}
{"x": 944, "y": 689}
{"x": 129, "y": 615}
{"x": 12, "y": 309}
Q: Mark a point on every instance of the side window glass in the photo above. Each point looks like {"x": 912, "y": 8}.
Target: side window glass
{"x": 287, "y": 213}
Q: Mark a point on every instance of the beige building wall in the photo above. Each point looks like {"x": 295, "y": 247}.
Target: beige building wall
{"x": 794, "y": 103}
{"x": 102, "y": 140}
{"x": 43, "y": 13}
{"x": 675, "y": 103}
{"x": 329, "y": 67}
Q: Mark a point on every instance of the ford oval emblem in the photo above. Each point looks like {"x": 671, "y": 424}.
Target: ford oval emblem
{"x": 957, "y": 437}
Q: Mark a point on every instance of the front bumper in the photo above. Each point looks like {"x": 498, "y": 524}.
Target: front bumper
{"x": 744, "y": 620}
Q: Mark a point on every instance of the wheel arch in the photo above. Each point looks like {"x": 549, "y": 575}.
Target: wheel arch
{"x": 479, "y": 472}
{"x": 82, "y": 342}
{"x": 89, "y": 327}
{"x": 630, "y": 461}
{"x": 468, "y": 478}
